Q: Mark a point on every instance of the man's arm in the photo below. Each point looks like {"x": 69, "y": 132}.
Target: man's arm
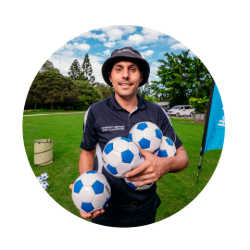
{"x": 86, "y": 161}
{"x": 153, "y": 168}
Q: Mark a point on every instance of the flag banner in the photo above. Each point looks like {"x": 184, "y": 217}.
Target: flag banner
{"x": 215, "y": 125}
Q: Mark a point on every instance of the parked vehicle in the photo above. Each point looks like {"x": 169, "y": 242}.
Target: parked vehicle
{"x": 181, "y": 110}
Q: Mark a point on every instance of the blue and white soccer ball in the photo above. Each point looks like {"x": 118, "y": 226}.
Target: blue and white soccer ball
{"x": 146, "y": 135}
{"x": 121, "y": 155}
{"x": 40, "y": 179}
{"x": 91, "y": 191}
{"x": 167, "y": 148}
{"x": 131, "y": 184}
{"x": 45, "y": 176}
{"x": 45, "y": 184}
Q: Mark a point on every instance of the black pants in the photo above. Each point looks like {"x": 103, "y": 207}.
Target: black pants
{"x": 117, "y": 215}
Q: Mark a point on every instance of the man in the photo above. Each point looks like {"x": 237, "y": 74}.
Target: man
{"x": 126, "y": 71}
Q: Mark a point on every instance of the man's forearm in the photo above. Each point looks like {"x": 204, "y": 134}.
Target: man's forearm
{"x": 86, "y": 161}
{"x": 176, "y": 163}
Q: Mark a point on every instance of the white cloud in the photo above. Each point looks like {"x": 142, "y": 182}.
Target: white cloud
{"x": 132, "y": 40}
{"x": 114, "y": 34}
{"x": 109, "y": 44}
{"x": 82, "y": 46}
{"x": 147, "y": 36}
{"x": 100, "y": 37}
{"x": 147, "y": 53}
{"x": 74, "y": 46}
{"x": 178, "y": 46}
{"x": 151, "y": 35}
{"x": 97, "y": 67}
{"x": 103, "y": 39}
{"x": 171, "y": 40}
{"x": 144, "y": 47}
{"x": 107, "y": 52}
{"x": 157, "y": 64}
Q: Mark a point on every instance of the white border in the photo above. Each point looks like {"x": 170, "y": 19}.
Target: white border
{"x": 216, "y": 31}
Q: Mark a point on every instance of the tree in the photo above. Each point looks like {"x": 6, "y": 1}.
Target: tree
{"x": 34, "y": 95}
{"x": 75, "y": 70}
{"x": 86, "y": 74}
{"x": 52, "y": 88}
{"x": 203, "y": 79}
{"x": 106, "y": 90}
{"x": 88, "y": 94}
{"x": 200, "y": 104}
{"x": 181, "y": 77}
{"x": 48, "y": 66}
{"x": 150, "y": 98}
{"x": 144, "y": 90}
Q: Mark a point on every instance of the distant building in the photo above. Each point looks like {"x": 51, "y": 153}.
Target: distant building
{"x": 163, "y": 104}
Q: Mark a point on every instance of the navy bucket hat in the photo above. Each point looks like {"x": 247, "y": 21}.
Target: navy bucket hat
{"x": 126, "y": 53}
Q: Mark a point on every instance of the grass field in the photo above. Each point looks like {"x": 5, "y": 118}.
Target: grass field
{"x": 175, "y": 190}
{"x": 44, "y": 112}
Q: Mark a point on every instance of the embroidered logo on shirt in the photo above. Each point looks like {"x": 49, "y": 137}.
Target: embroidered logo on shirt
{"x": 112, "y": 128}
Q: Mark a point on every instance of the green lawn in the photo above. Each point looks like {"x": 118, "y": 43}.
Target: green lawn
{"x": 175, "y": 190}
{"x": 46, "y": 112}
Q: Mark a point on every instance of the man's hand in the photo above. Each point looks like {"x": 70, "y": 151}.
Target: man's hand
{"x": 153, "y": 168}
{"x": 89, "y": 215}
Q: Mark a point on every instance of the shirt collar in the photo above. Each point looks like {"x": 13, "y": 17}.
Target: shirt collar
{"x": 116, "y": 105}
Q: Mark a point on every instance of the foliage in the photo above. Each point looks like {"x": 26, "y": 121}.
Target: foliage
{"x": 200, "y": 104}
{"x": 75, "y": 70}
{"x": 106, "y": 90}
{"x": 48, "y": 66}
{"x": 88, "y": 94}
{"x": 181, "y": 77}
{"x": 144, "y": 90}
{"x": 50, "y": 87}
{"x": 86, "y": 71}
{"x": 150, "y": 98}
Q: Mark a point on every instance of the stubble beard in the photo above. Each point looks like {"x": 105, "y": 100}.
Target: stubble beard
{"x": 125, "y": 94}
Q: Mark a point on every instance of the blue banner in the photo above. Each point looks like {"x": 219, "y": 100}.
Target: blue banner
{"x": 216, "y": 123}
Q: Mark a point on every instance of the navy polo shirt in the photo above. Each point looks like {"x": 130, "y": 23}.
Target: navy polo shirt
{"x": 106, "y": 120}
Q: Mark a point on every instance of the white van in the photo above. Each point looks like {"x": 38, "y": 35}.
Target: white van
{"x": 181, "y": 110}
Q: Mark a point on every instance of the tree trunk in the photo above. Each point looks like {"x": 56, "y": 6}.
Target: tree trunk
{"x": 35, "y": 105}
{"x": 51, "y": 106}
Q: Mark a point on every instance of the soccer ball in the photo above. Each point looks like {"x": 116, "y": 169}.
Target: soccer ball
{"x": 91, "y": 192}
{"x": 45, "y": 176}
{"x": 40, "y": 179}
{"x": 167, "y": 148}
{"x": 146, "y": 135}
{"x": 131, "y": 184}
{"x": 120, "y": 155}
{"x": 45, "y": 184}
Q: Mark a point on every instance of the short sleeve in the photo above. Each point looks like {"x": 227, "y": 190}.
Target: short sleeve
{"x": 165, "y": 126}
{"x": 89, "y": 138}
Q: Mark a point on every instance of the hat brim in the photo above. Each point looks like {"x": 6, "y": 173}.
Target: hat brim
{"x": 107, "y": 67}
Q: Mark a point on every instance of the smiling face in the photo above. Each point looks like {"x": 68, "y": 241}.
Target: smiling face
{"x": 125, "y": 77}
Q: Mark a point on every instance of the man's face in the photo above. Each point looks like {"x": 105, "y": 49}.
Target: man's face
{"x": 125, "y": 77}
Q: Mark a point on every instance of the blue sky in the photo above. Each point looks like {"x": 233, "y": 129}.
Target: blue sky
{"x": 100, "y": 43}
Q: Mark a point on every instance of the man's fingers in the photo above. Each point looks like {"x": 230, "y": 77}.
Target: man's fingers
{"x": 91, "y": 215}
{"x": 141, "y": 177}
{"x": 144, "y": 152}
{"x": 85, "y": 215}
{"x": 137, "y": 170}
{"x": 142, "y": 183}
{"x": 71, "y": 186}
